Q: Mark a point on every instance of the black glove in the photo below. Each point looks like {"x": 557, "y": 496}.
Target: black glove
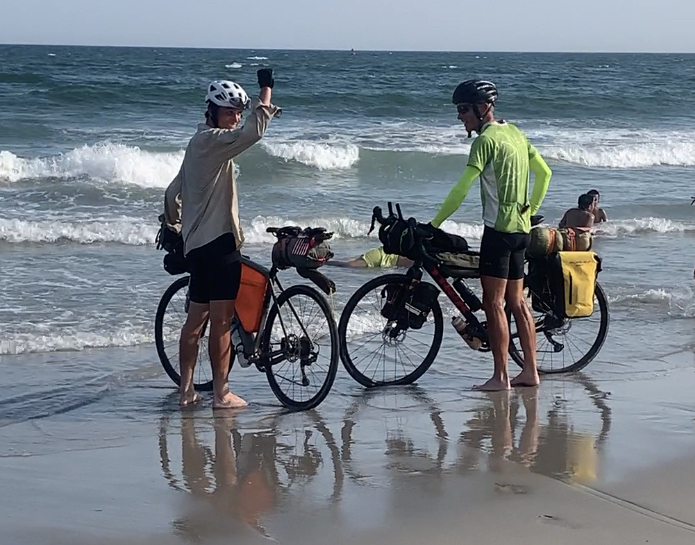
{"x": 265, "y": 78}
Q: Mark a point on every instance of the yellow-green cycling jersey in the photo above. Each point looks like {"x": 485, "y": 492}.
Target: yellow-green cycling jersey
{"x": 502, "y": 158}
{"x": 377, "y": 257}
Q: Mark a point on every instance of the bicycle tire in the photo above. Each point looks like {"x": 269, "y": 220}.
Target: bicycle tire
{"x": 518, "y": 357}
{"x": 272, "y": 370}
{"x": 350, "y": 307}
{"x": 172, "y": 368}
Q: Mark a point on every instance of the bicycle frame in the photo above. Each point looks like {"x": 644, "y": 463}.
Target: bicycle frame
{"x": 252, "y": 341}
{"x": 415, "y": 274}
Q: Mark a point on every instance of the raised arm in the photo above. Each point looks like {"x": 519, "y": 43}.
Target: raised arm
{"x": 233, "y": 142}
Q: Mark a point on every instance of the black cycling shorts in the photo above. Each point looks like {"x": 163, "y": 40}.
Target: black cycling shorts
{"x": 215, "y": 271}
{"x": 502, "y": 254}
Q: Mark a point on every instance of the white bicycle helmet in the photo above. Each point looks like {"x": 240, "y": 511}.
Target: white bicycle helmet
{"x": 227, "y": 94}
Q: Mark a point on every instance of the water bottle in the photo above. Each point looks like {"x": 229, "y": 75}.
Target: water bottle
{"x": 238, "y": 345}
{"x": 461, "y": 327}
{"x": 470, "y": 298}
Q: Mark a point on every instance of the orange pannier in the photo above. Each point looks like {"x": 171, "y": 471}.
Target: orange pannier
{"x": 251, "y": 297}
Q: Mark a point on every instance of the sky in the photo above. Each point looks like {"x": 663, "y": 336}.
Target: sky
{"x": 392, "y": 25}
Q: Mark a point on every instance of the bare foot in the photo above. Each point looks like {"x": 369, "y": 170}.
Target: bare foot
{"x": 228, "y": 401}
{"x": 526, "y": 378}
{"x": 188, "y": 398}
{"x": 493, "y": 385}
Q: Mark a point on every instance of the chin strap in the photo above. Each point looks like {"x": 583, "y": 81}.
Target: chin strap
{"x": 476, "y": 111}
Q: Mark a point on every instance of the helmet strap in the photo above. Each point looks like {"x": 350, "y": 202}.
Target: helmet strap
{"x": 481, "y": 119}
{"x": 476, "y": 111}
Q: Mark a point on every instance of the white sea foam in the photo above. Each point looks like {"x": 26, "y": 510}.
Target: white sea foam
{"x": 129, "y": 231}
{"x": 106, "y": 162}
{"x": 137, "y": 232}
{"x": 324, "y": 156}
{"x": 469, "y": 231}
{"x": 257, "y": 58}
{"x": 635, "y": 155}
{"x": 255, "y": 233}
{"x": 648, "y": 296}
{"x": 680, "y": 301}
{"x": 642, "y": 225}
{"x": 22, "y": 343}
{"x": 233, "y": 65}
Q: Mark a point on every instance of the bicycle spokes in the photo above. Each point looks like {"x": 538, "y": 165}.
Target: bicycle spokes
{"x": 300, "y": 345}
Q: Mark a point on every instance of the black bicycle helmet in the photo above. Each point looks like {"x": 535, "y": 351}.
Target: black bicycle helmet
{"x": 475, "y": 91}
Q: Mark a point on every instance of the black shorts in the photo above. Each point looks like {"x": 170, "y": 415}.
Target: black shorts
{"x": 502, "y": 254}
{"x": 215, "y": 271}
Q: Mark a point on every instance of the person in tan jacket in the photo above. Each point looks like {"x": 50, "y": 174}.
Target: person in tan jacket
{"x": 201, "y": 202}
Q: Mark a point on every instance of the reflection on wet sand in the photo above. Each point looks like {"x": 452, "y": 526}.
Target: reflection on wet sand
{"x": 387, "y": 440}
{"x": 244, "y": 476}
{"x": 405, "y": 446}
{"x": 512, "y": 424}
{"x": 235, "y": 476}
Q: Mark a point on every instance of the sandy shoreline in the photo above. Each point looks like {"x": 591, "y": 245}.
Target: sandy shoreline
{"x": 581, "y": 458}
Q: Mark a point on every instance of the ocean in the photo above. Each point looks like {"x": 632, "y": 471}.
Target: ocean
{"x": 90, "y": 137}
{"x": 90, "y": 428}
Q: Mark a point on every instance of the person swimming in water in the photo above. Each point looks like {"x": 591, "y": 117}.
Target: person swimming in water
{"x": 582, "y": 217}
{"x": 376, "y": 257}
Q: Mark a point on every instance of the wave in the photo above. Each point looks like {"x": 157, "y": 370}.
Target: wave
{"x": 139, "y": 232}
{"x": 233, "y": 65}
{"x": 641, "y": 225}
{"x": 469, "y": 231}
{"x": 625, "y": 156}
{"x": 679, "y": 302}
{"x": 340, "y": 227}
{"x": 118, "y": 163}
{"x": 23, "y": 343}
{"x": 129, "y": 231}
{"x": 257, "y": 58}
{"x": 323, "y": 156}
{"x": 106, "y": 162}
{"x": 655, "y": 296}
{"x": 136, "y": 232}
{"x": 345, "y": 228}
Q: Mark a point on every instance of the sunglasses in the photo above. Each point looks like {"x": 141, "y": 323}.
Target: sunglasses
{"x": 463, "y": 108}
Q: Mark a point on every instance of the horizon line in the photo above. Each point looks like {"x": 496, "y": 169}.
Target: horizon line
{"x": 557, "y": 52}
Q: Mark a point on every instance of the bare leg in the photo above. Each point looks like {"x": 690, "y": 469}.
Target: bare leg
{"x": 188, "y": 350}
{"x": 527, "y": 333}
{"x": 498, "y": 332}
{"x": 219, "y": 345}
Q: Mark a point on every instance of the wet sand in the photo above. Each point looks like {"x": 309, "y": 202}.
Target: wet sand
{"x": 605, "y": 455}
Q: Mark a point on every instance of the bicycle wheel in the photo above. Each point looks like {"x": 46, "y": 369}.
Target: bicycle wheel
{"x": 564, "y": 346}
{"x": 371, "y": 353}
{"x": 171, "y": 315}
{"x": 300, "y": 342}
